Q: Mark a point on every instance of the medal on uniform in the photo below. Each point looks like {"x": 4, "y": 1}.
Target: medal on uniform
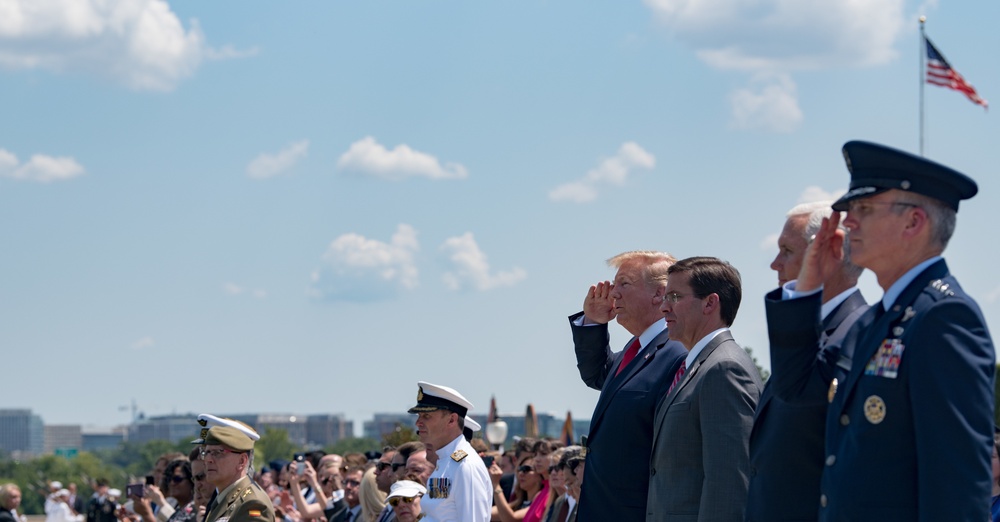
{"x": 874, "y": 409}
{"x": 886, "y": 361}
{"x": 832, "y": 391}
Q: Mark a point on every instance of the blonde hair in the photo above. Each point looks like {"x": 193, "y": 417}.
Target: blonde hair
{"x": 654, "y": 264}
{"x": 372, "y": 499}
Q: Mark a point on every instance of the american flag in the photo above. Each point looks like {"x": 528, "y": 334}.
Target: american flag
{"x": 939, "y": 72}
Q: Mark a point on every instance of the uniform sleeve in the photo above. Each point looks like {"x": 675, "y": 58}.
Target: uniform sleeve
{"x": 473, "y": 496}
{"x": 793, "y": 329}
{"x": 593, "y": 352}
{"x": 253, "y": 510}
{"x": 951, "y": 385}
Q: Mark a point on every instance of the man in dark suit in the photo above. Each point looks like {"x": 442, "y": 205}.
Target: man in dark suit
{"x": 786, "y": 444}
{"x": 75, "y": 501}
{"x": 699, "y": 465}
{"x": 616, "y": 474}
{"x": 909, "y": 432}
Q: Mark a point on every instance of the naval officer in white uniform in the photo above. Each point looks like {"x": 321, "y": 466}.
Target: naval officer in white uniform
{"x": 459, "y": 490}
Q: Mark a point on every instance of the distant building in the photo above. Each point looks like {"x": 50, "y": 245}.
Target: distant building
{"x": 327, "y": 430}
{"x": 384, "y": 423}
{"x": 21, "y": 433}
{"x": 63, "y": 437}
{"x": 93, "y": 440}
{"x": 173, "y": 428}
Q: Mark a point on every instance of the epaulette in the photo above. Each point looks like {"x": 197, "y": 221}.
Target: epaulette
{"x": 941, "y": 287}
{"x": 459, "y": 455}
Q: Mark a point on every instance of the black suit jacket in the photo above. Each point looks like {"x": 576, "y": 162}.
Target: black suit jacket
{"x": 786, "y": 444}
{"x": 616, "y": 477}
{"x": 7, "y": 516}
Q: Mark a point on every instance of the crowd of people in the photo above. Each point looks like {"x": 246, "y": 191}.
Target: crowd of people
{"x": 872, "y": 413}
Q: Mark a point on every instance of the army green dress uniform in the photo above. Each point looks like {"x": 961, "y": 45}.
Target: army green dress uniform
{"x": 243, "y": 500}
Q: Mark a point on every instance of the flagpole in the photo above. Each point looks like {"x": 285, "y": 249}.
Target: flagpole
{"x": 923, "y": 61}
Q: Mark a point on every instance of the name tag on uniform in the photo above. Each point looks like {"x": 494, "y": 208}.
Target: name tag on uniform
{"x": 438, "y": 487}
{"x": 886, "y": 361}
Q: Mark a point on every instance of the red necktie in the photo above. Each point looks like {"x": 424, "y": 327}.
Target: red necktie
{"x": 678, "y": 376}
{"x": 629, "y": 355}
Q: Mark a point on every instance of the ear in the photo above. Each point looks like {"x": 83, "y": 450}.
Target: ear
{"x": 916, "y": 222}
{"x": 661, "y": 291}
{"x": 710, "y": 304}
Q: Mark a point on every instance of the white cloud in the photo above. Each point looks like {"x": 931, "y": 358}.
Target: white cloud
{"x": 356, "y": 268}
{"x": 140, "y": 43}
{"x": 235, "y": 289}
{"x": 770, "y": 242}
{"x": 785, "y": 35}
{"x": 471, "y": 269}
{"x": 39, "y": 168}
{"x": 814, "y": 193}
{"x": 269, "y": 165}
{"x": 774, "y": 106}
{"x": 370, "y": 157}
{"x": 776, "y": 37}
{"x": 145, "y": 342}
{"x": 614, "y": 170}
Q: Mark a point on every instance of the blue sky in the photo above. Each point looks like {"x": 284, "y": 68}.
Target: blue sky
{"x": 237, "y": 207}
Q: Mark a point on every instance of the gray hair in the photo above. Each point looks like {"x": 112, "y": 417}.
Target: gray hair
{"x": 941, "y": 216}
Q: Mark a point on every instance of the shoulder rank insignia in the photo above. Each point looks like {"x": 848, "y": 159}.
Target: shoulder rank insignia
{"x": 246, "y": 492}
{"x": 942, "y": 287}
{"x": 459, "y": 455}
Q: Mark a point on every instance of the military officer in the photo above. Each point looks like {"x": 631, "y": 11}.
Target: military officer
{"x": 459, "y": 488}
{"x": 228, "y": 454}
{"x": 909, "y": 431}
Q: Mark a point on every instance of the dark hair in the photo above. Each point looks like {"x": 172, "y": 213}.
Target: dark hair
{"x": 542, "y": 447}
{"x": 314, "y": 457}
{"x": 711, "y": 275}
{"x": 409, "y": 448}
{"x": 195, "y": 454}
{"x": 525, "y": 445}
{"x": 168, "y": 472}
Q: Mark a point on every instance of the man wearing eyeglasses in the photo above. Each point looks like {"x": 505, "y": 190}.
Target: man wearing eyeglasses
{"x": 352, "y": 483}
{"x": 459, "y": 489}
{"x": 786, "y": 444}
{"x": 631, "y": 382}
{"x": 909, "y": 431}
{"x": 228, "y": 454}
{"x": 699, "y": 468}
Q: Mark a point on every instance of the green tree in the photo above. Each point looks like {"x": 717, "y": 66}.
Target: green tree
{"x": 401, "y": 434}
{"x": 273, "y": 445}
{"x": 354, "y": 445}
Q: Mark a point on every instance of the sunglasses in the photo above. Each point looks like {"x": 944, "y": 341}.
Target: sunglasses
{"x": 199, "y": 477}
{"x": 397, "y": 465}
{"x": 394, "y": 501}
{"x": 177, "y": 479}
{"x": 525, "y": 469}
{"x": 382, "y": 466}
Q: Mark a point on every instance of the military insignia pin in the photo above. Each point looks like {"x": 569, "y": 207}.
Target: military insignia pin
{"x": 908, "y": 313}
{"x": 832, "y": 391}
{"x": 874, "y": 409}
{"x": 459, "y": 455}
{"x": 897, "y": 331}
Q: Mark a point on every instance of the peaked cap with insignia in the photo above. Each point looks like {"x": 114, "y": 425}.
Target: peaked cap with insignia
{"x": 876, "y": 168}
{"x": 431, "y": 397}
{"x": 207, "y": 421}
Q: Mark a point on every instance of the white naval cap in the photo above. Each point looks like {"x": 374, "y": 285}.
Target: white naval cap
{"x": 207, "y": 421}
{"x": 432, "y": 397}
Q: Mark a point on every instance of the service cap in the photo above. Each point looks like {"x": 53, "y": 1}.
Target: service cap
{"x": 232, "y": 438}
{"x": 431, "y": 397}
{"x": 207, "y": 421}
{"x": 876, "y": 168}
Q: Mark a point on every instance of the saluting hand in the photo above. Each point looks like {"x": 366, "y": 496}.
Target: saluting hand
{"x": 824, "y": 255}
{"x": 599, "y": 306}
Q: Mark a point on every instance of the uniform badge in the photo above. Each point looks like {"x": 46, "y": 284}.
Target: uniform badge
{"x": 459, "y": 455}
{"x": 832, "y": 391}
{"x": 874, "y": 409}
{"x": 897, "y": 331}
{"x": 908, "y": 314}
{"x": 886, "y": 361}
{"x": 247, "y": 492}
{"x": 420, "y": 394}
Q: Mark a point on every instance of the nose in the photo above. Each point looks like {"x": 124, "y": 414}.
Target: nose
{"x": 776, "y": 265}
{"x": 665, "y": 305}
{"x": 850, "y": 221}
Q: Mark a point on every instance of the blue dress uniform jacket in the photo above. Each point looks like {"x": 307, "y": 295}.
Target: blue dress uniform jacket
{"x": 616, "y": 477}
{"x": 909, "y": 433}
{"x": 786, "y": 444}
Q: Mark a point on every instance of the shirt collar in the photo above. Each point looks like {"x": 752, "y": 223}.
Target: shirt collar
{"x": 897, "y": 288}
{"x": 700, "y": 345}
{"x": 832, "y": 304}
{"x": 651, "y": 332}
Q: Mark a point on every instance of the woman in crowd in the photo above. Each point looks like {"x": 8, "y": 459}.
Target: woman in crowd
{"x": 372, "y": 500}
{"x": 311, "y": 501}
{"x": 176, "y": 480}
{"x": 404, "y": 497}
{"x": 529, "y": 486}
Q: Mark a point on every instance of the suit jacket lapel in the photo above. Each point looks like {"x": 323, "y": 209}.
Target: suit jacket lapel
{"x": 689, "y": 373}
{"x": 613, "y": 384}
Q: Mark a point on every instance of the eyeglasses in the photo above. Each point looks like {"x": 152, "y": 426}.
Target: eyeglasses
{"x": 199, "y": 477}
{"x": 525, "y": 469}
{"x": 674, "y": 297}
{"x": 863, "y": 207}
{"x": 397, "y": 465}
{"x": 394, "y": 501}
{"x": 217, "y": 453}
{"x": 382, "y": 466}
{"x": 177, "y": 479}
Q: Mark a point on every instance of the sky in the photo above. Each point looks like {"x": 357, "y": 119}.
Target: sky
{"x": 307, "y": 207}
